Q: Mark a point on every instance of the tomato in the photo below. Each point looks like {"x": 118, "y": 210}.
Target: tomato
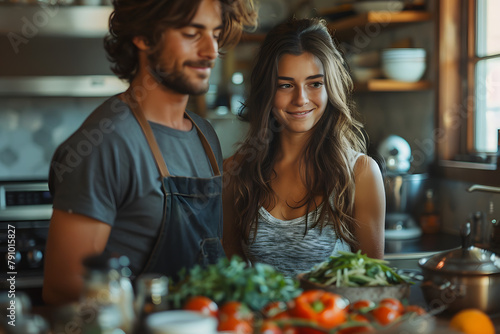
{"x": 235, "y": 326}
{"x": 203, "y": 305}
{"x": 324, "y": 308}
{"x": 357, "y": 329}
{"x": 393, "y": 303}
{"x": 236, "y": 317}
{"x": 362, "y": 304}
{"x": 273, "y": 309}
{"x": 269, "y": 327}
{"x": 235, "y": 309}
{"x": 358, "y": 317}
{"x": 414, "y": 309}
{"x": 385, "y": 314}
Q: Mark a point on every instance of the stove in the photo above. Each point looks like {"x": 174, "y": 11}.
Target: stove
{"x": 25, "y": 211}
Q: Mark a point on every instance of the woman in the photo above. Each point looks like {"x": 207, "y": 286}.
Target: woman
{"x": 299, "y": 188}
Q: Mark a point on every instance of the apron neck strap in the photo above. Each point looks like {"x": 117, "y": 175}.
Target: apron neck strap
{"x": 153, "y": 144}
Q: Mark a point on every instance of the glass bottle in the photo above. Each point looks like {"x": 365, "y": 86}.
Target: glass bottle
{"x": 152, "y": 294}
{"x": 429, "y": 220}
{"x": 107, "y": 299}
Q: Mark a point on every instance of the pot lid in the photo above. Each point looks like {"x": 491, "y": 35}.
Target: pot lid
{"x": 465, "y": 260}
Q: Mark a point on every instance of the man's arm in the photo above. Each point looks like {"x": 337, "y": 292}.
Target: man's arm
{"x": 72, "y": 237}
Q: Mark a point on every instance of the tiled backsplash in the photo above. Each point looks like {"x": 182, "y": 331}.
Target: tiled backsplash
{"x": 32, "y": 128}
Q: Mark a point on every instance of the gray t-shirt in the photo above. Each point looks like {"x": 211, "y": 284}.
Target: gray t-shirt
{"x": 106, "y": 171}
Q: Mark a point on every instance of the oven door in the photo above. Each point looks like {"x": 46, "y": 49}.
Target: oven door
{"x": 25, "y": 211}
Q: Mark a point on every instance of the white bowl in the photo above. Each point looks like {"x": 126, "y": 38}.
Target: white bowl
{"x": 181, "y": 322}
{"x": 368, "y": 6}
{"x": 403, "y": 53}
{"x": 363, "y": 74}
{"x": 409, "y": 71}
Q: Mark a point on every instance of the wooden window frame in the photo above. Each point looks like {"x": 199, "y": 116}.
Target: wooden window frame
{"x": 455, "y": 105}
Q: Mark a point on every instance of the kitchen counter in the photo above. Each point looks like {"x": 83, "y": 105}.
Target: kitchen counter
{"x": 404, "y": 254}
{"x": 426, "y": 243}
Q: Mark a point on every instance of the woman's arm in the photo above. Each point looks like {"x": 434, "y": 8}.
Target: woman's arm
{"x": 72, "y": 237}
{"x": 231, "y": 240}
{"x": 369, "y": 207}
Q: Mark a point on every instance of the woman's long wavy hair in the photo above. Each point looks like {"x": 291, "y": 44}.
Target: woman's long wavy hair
{"x": 327, "y": 155}
{"x": 150, "y": 18}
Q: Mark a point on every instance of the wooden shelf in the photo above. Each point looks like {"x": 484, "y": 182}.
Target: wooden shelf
{"x": 346, "y": 28}
{"x": 386, "y": 85}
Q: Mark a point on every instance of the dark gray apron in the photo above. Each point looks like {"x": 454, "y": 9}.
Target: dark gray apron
{"x": 191, "y": 228}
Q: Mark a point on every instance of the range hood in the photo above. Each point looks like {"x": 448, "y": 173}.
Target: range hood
{"x": 73, "y": 86}
{"x": 31, "y": 20}
{"x": 55, "y": 50}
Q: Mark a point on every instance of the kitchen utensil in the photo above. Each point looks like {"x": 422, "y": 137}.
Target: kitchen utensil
{"x": 353, "y": 294}
{"x": 396, "y": 152}
{"x": 401, "y": 226}
{"x": 466, "y": 277}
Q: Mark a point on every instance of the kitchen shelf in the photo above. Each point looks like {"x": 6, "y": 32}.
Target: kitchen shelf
{"x": 29, "y": 21}
{"x": 345, "y": 28}
{"x": 386, "y": 85}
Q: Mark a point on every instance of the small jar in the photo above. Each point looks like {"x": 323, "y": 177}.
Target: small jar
{"x": 152, "y": 294}
{"x": 107, "y": 299}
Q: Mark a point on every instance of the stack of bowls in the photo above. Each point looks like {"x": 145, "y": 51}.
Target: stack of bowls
{"x": 403, "y": 64}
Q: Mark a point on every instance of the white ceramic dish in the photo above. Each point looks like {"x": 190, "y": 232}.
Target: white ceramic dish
{"x": 403, "y": 53}
{"x": 368, "y": 6}
{"x": 181, "y": 322}
{"x": 408, "y": 71}
{"x": 364, "y": 74}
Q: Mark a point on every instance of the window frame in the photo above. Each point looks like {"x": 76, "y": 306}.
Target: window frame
{"x": 455, "y": 105}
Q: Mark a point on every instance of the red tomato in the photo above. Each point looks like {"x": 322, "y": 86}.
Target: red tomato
{"x": 358, "y": 317}
{"x": 414, "y": 309}
{"x": 357, "y": 329}
{"x": 362, "y": 304}
{"x": 269, "y": 327}
{"x": 235, "y": 309}
{"x": 203, "y": 305}
{"x": 236, "y": 317}
{"x": 273, "y": 309}
{"x": 393, "y": 303}
{"x": 235, "y": 326}
{"x": 290, "y": 330}
{"x": 385, "y": 314}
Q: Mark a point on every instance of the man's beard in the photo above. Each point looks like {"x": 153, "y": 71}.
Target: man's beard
{"x": 176, "y": 80}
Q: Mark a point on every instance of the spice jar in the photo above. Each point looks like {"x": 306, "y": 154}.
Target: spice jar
{"x": 107, "y": 299}
{"x": 152, "y": 294}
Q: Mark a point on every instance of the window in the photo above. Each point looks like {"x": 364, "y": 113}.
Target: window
{"x": 468, "y": 93}
{"x": 484, "y": 63}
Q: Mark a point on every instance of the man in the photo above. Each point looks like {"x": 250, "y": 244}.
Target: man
{"x": 142, "y": 177}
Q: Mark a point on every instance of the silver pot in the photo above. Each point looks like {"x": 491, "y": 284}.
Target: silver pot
{"x": 467, "y": 277}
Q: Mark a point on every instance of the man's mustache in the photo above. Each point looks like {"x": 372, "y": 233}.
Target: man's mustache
{"x": 200, "y": 63}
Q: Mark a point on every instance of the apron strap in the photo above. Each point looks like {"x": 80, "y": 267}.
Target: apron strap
{"x": 153, "y": 144}
{"x": 207, "y": 147}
